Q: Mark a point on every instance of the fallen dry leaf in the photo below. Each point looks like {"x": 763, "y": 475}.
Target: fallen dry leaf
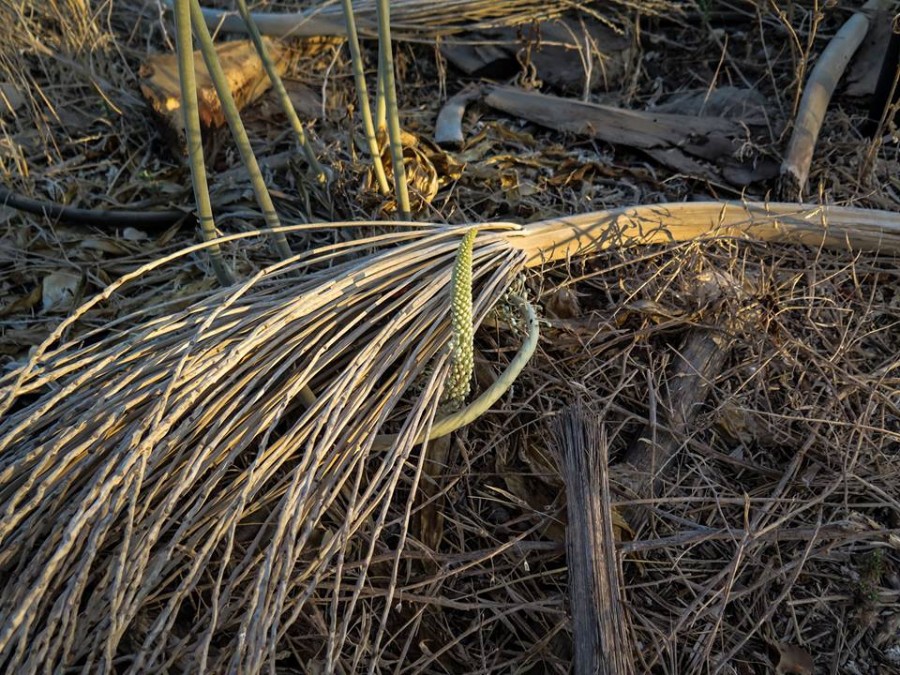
{"x": 22, "y": 303}
{"x": 428, "y": 168}
{"x": 793, "y": 660}
{"x": 105, "y": 245}
{"x": 59, "y": 290}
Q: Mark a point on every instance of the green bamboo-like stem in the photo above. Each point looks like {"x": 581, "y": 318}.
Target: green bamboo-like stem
{"x": 386, "y": 67}
{"x": 194, "y": 138}
{"x": 365, "y": 110}
{"x": 281, "y": 92}
{"x": 220, "y": 82}
{"x": 380, "y": 108}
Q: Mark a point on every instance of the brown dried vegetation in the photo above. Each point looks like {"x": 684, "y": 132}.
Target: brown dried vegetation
{"x": 202, "y": 520}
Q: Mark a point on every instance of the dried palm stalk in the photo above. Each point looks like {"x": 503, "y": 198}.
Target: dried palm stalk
{"x": 169, "y": 503}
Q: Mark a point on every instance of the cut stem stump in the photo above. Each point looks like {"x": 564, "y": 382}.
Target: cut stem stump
{"x": 599, "y": 629}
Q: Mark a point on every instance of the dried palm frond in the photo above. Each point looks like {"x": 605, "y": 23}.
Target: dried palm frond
{"x": 198, "y": 438}
{"x": 412, "y": 19}
{"x": 169, "y": 503}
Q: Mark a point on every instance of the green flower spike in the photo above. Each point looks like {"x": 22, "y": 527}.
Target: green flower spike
{"x": 462, "y": 347}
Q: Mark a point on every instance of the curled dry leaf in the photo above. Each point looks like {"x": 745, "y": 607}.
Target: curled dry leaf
{"x": 427, "y": 169}
{"x": 113, "y": 246}
{"x": 22, "y": 303}
{"x": 59, "y": 290}
{"x": 651, "y": 310}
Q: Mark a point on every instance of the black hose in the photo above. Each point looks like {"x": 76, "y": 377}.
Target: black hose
{"x": 103, "y": 218}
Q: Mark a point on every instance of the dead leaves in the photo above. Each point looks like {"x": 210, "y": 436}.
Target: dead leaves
{"x": 38, "y": 284}
{"x": 32, "y": 307}
{"x": 57, "y": 293}
{"x": 793, "y": 660}
{"x": 428, "y": 169}
{"x": 23, "y": 303}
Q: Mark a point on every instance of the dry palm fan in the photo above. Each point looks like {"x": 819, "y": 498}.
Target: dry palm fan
{"x": 170, "y": 502}
{"x": 411, "y": 19}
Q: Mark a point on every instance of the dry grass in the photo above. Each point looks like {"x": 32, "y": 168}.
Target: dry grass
{"x": 167, "y": 500}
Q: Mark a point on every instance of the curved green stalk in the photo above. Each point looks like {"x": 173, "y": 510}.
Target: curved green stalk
{"x": 365, "y": 110}
{"x": 237, "y": 128}
{"x": 283, "y": 97}
{"x": 478, "y": 407}
{"x": 194, "y": 138}
{"x": 386, "y": 74}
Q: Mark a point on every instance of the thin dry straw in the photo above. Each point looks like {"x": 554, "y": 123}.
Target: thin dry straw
{"x": 194, "y": 140}
{"x": 172, "y": 391}
{"x": 561, "y": 238}
{"x": 417, "y": 19}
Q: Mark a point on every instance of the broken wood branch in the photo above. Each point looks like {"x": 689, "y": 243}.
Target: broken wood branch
{"x": 700, "y": 145}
